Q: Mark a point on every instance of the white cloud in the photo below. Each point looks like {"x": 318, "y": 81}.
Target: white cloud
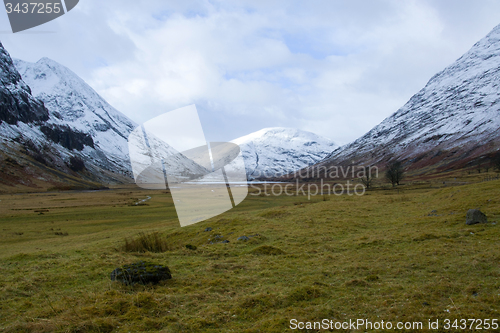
{"x": 336, "y": 68}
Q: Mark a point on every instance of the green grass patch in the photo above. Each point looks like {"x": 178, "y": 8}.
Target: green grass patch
{"x": 382, "y": 256}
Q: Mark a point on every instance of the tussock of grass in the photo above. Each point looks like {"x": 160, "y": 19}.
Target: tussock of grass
{"x": 274, "y": 214}
{"x": 146, "y": 242}
{"x": 267, "y": 250}
{"x": 356, "y": 283}
{"x": 305, "y": 293}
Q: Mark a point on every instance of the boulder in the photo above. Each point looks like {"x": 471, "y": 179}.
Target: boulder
{"x": 475, "y": 216}
{"x": 142, "y": 272}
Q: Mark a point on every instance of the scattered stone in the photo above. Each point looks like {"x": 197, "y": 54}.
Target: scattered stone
{"x": 217, "y": 242}
{"x": 475, "y": 216}
{"x": 141, "y": 272}
{"x": 243, "y": 238}
{"x": 191, "y": 247}
{"x": 434, "y": 211}
{"x": 218, "y": 236}
{"x": 208, "y": 229}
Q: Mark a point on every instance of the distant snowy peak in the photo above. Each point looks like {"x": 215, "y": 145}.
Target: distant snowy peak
{"x": 73, "y": 103}
{"x": 459, "y": 106}
{"x": 276, "y": 151}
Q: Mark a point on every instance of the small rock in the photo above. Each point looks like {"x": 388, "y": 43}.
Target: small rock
{"x": 475, "y": 216}
{"x": 208, "y": 229}
{"x": 225, "y": 241}
{"x": 243, "y": 238}
{"x": 434, "y": 211}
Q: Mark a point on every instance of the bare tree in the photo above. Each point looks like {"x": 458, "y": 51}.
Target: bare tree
{"x": 368, "y": 178}
{"x": 496, "y": 161}
{"x": 394, "y": 173}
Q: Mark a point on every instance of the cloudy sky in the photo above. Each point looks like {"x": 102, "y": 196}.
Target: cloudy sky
{"x": 336, "y": 68}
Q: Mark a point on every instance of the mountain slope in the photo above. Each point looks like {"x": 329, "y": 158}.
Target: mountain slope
{"x": 276, "y": 151}
{"x": 73, "y": 103}
{"x": 73, "y": 139}
{"x": 454, "y": 119}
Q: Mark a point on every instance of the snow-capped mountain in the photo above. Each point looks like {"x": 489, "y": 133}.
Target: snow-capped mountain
{"x": 73, "y": 103}
{"x": 455, "y": 117}
{"x": 276, "y": 151}
{"x": 55, "y": 129}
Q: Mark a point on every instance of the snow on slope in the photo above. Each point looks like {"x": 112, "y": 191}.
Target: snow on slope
{"x": 459, "y": 107}
{"x": 74, "y": 103}
{"x": 276, "y": 151}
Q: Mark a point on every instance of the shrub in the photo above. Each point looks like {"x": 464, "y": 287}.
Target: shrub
{"x": 496, "y": 161}
{"x": 152, "y": 242}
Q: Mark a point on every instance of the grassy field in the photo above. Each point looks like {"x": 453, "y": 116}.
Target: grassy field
{"x": 398, "y": 255}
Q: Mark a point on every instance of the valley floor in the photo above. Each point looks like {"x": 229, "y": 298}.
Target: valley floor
{"x": 397, "y": 255}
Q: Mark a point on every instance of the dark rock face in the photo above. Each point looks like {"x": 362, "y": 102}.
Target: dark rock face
{"x": 67, "y": 137}
{"x": 141, "y": 272}
{"x": 475, "y": 216}
{"x": 16, "y": 101}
